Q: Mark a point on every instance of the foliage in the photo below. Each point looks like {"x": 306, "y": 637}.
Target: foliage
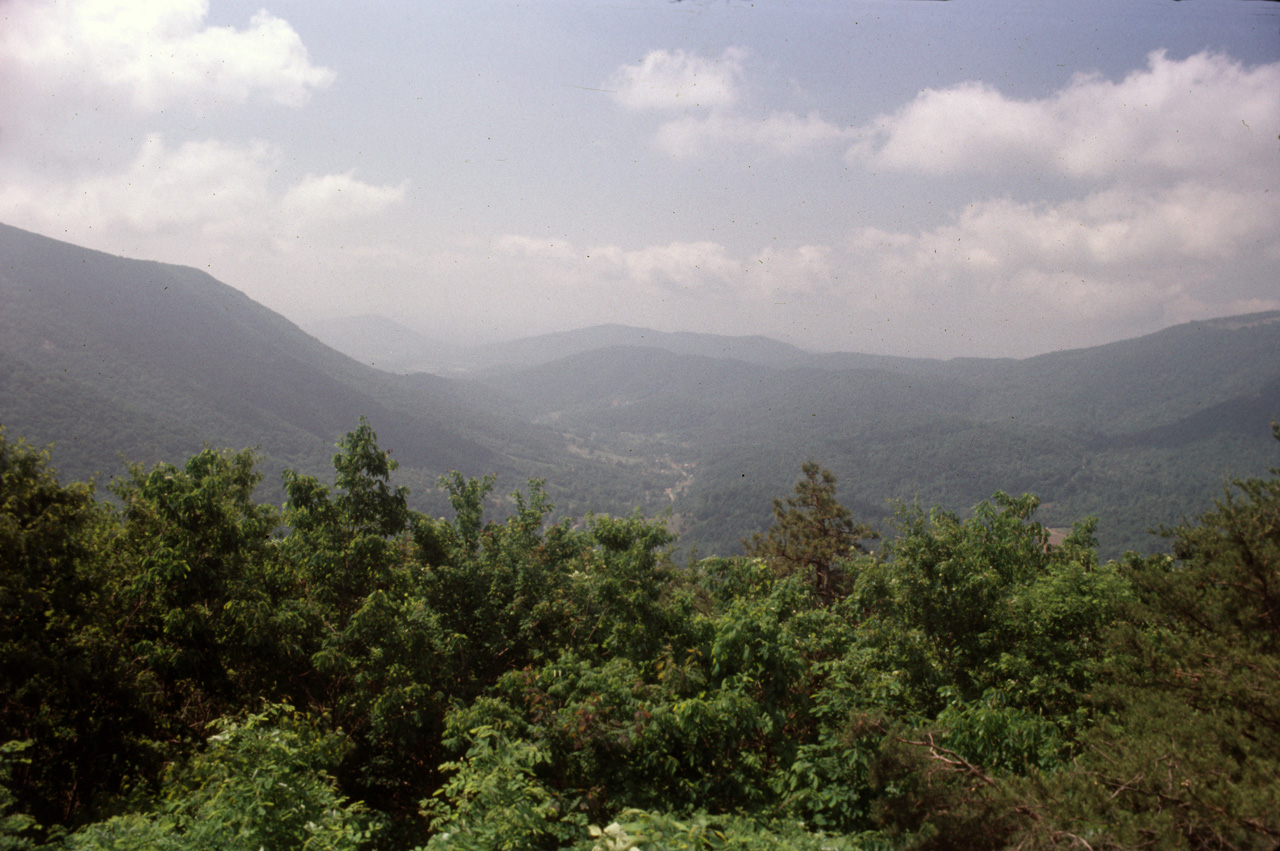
{"x": 812, "y": 534}
{"x": 495, "y": 801}
{"x": 12, "y": 825}
{"x": 525, "y": 682}
{"x": 1195, "y": 748}
{"x": 261, "y": 782}
{"x": 64, "y": 686}
{"x": 642, "y": 829}
{"x": 195, "y": 585}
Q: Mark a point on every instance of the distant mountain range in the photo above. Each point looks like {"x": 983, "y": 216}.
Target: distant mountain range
{"x": 116, "y": 360}
{"x": 388, "y": 345}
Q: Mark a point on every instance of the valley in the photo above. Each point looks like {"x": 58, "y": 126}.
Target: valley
{"x": 115, "y": 361}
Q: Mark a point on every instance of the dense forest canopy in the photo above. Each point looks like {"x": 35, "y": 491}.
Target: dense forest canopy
{"x": 184, "y": 666}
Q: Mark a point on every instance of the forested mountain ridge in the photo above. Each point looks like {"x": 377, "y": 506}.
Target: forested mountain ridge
{"x": 110, "y": 357}
{"x": 119, "y": 359}
{"x": 1135, "y": 432}
{"x": 392, "y": 346}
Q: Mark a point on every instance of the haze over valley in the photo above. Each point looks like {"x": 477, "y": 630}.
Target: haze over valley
{"x": 115, "y": 360}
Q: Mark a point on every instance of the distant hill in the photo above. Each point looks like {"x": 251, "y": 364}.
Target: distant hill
{"x": 112, "y": 358}
{"x": 389, "y": 345}
{"x": 1139, "y": 432}
{"x": 385, "y": 344}
{"x": 118, "y": 360}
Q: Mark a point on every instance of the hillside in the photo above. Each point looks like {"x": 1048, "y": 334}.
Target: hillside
{"x": 391, "y": 346}
{"x": 118, "y": 360}
{"x": 1137, "y": 432}
{"x": 109, "y": 357}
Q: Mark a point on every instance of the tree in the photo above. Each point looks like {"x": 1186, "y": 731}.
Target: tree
{"x": 262, "y": 782}
{"x": 63, "y": 685}
{"x": 812, "y": 533}
{"x": 195, "y": 589}
{"x": 1195, "y": 749}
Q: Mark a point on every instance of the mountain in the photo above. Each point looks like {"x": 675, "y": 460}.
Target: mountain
{"x": 108, "y": 357}
{"x": 385, "y": 344}
{"x": 1138, "y": 433}
{"x": 116, "y": 360}
{"x": 389, "y": 345}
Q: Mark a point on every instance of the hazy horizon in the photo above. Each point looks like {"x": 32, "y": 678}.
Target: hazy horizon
{"x": 922, "y": 179}
{"x": 326, "y": 327}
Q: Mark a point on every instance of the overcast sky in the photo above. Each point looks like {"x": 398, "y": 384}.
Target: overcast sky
{"x": 917, "y": 178}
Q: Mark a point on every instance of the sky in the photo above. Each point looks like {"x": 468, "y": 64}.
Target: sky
{"x": 929, "y": 179}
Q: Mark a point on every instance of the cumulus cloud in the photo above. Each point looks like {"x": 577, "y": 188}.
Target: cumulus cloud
{"x": 1106, "y": 261}
{"x": 1205, "y": 115}
{"x": 703, "y": 270}
{"x": 196, "y": 183}
{"x": 1177, "y": 216}
{"x": 83, "y": 79}
{"x": 1115, "y": 262}
{"x": 147, "y": 55}
{"x": 710, "y": 93}
{"x": 337, "y": 197}
{"x": 545, "y": 284}
{"x": 221, "y": 190}
{"x": 673, "y": 79}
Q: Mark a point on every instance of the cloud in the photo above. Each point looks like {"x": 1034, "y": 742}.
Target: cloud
{"x": 1088, "y": 266}
{"x": 667, "y": 80}
{"x": 338, "y": 197}
{"x": 148, "y": 56}
{"x": 702, "y": 270}
{"x": 1116, "y": 262}
{"x": 196, "y": 184}
{"x": 1205, "y": 115}
{"x": 709, "y": 93}
{"x": 223, "y": 191}
{"x": 82, "y": 81}
{"x": 1177, "y": 216}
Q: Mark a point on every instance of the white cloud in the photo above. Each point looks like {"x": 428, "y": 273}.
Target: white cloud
{"x": 196, "y": 184}
{"x": 694, "y": 270}
{"x": 709, "y": 93}
{"x": 1110, "y": 258}
{"x": 667, "y": 79}
{"x": 337, "y": 197}
{"x": 151, "y": 55}
{"x": 1116, "y": 262}
{"x": 82, "y": 81}
{"x": 1206, "y": 115}
{"x": 545, "y": 249}
{"x": 224, "y": 192}
{"x": 1180, "y": 221}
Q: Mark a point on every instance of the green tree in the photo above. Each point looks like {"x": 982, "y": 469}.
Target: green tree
{"x": 1193, "y": 753}
{"x": 15, "y": 828}
{"x": 64, "y": 686}
{"x": 812, "y": 534}
{"x": 263, "y": 781}
{"x": 196, "y": 587}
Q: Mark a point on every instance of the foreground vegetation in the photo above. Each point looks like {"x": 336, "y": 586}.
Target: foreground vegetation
{"x": 184, "y": 668}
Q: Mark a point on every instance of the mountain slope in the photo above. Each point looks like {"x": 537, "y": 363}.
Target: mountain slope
{"x": 1138, "y": 432}
{"x": 387, "y": 344}
{"x": 175, "y": 358}
{"x": 119, "y": 359}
